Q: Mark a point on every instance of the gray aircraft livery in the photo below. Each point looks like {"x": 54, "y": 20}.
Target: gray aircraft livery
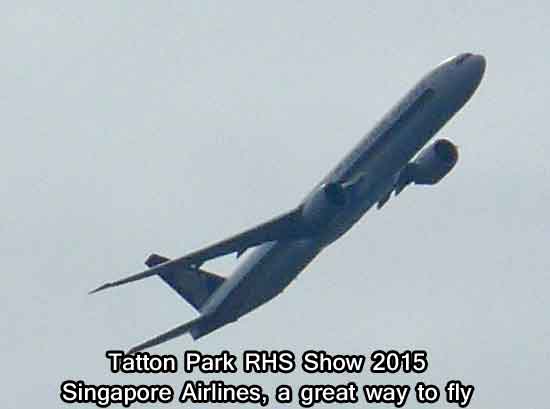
{"x": 381, "y": 164}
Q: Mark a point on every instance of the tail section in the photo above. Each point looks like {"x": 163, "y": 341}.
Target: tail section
{"x": 192, "y": 284}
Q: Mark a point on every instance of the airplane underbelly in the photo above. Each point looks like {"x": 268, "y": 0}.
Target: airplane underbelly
{"x": 261, "y": 277}
{"x": 272, "y": 274}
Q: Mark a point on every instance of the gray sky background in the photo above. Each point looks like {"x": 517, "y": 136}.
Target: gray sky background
{"x": 132, "y": 127}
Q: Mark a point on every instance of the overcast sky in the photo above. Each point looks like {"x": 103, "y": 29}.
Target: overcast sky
{"x": 131, "y": 127}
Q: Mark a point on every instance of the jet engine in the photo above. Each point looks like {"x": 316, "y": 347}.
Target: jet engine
{"x": 323, "y": 205}
{"x": 431, "y": 165}
{"x": 434, "y": 163}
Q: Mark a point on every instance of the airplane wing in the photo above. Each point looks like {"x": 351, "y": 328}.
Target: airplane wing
{"x": 288, "y": 226}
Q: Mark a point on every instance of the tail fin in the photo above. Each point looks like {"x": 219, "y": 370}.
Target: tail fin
{"x": 193, "y": 284}
{"x": 173, "y": 333}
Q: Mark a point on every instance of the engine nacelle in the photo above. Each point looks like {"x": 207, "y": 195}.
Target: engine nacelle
{"x": 323, "y": 205}
{"x": 434, "y": 162}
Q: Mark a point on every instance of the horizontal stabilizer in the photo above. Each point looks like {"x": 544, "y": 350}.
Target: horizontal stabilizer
{"x": 193, "y": 284}
{"x": 173, "y": 333}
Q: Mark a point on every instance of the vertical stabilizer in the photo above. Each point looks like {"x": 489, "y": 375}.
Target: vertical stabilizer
{"x": 192, "y": 284}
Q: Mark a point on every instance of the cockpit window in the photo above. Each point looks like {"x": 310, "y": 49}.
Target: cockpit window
{"x": 462, "y": 58}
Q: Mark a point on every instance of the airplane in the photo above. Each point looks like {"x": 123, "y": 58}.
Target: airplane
{"x": 387, "y": 160}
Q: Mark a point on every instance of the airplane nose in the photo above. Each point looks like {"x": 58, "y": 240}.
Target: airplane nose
{"x": 457, "y": 78}
{"x": 475, "y": 63}
{"x": 479, "y": 63}
{"x": 476, "y": 66}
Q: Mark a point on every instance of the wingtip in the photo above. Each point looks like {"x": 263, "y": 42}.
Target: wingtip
{"x": 101, "y": 287}
{"x": 138, "y": 348}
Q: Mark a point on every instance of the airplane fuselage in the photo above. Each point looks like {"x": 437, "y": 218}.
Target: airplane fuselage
{"x": 268, "y": 269}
